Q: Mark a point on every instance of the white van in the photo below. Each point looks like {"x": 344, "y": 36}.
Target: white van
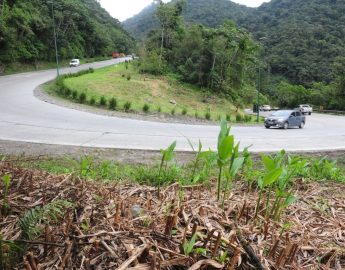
{"x": 74, "y": 63}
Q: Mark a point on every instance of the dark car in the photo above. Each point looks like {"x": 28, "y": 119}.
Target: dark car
{"x": 285, "y": 119}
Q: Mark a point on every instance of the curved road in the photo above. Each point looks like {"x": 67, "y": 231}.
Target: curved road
{"x": 27, "y": 119}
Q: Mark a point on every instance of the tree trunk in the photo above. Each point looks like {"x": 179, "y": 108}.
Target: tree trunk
{"x": 162, "y": 41}
{"x": 3, "y": 7}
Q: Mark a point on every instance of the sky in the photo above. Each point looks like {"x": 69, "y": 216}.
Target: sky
{"x": 124, "y": 9}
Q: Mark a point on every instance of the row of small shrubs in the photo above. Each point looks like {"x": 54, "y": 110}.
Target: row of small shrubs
{"x": 112, "y": 103}
{"x": 77, "y": 74}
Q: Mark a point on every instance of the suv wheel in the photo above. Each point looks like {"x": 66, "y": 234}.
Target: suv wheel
{"x": 286, "y": 125}
{"x": 309, "y": 113}
{"x": 267, "y": 126}
{"x": 301, "y": 125}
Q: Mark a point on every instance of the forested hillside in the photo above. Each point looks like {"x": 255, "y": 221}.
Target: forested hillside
{"x": 207, "y": 12}
{"x": 84, "y": 29}
{"x": 303, "y": 39}
{"x": 221, "y": 59}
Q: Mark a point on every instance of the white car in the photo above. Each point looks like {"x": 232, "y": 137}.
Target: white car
{"x": 265, "y": 108}
{"x": 305, "y": 109}
{"x": 74, "y": 63}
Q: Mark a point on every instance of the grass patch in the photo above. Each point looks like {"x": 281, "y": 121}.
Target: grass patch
{"x": 148, "y": 91}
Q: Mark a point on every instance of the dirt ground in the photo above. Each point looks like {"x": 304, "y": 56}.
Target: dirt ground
{"x": 92, "y": 225}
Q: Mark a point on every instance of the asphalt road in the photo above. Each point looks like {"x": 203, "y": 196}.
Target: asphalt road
{"x": 27, "y": 119}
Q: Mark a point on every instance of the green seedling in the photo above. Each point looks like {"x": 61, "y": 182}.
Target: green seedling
{"x": 6, "y": 208}
{"x": 168, "y": 155}
{"x": 224, "y": 146}
{"x": 189, "y": 245}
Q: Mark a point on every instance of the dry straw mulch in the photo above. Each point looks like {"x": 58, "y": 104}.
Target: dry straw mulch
{"x": 114, "y": 226}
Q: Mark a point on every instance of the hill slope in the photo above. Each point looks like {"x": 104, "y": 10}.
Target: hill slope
{"x": 302, "y": 38}
{"x": 207, "y": 12}
{"x": 84, "y": 29}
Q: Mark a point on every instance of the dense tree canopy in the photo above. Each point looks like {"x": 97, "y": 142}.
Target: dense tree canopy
{"x": 84, "y": 29}
{"x": 220, "y": 59}
{"x": 301, "y": 38}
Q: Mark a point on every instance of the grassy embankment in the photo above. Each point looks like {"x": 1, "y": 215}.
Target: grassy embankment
{"x": 122, "y": 88}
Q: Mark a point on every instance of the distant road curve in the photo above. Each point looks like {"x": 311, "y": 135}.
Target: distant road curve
{"x": 25, "y": 118}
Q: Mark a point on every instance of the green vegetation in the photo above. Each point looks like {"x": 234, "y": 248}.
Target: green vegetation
{"x": 270, "y": 174}
{"x": 302, "y": 44}
{"x": 110, "y": 89}
{"x": 146, "y": 108}
{"x": 206, "y": 12}
{"x": 221, "y": 59}
{"x": 83, "y": 28}
{"x": 30, "y": 221}
{"x": 6, "y": 207}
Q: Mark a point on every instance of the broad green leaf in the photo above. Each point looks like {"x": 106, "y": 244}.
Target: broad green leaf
{"x": 290, "y": 200}
{"x": 169, "y": 152}
{"x": 200, "y": 146}
{"x": 236, "y": 149}
{"x": 260, "y": 182}
{"x": 268, "y": 162}
{"x": 236, "y": 166}
{"x": 6, "y": 179}
{"x": 271, "y": 177}
{"x": 226, "y": 148}
{"x": 224, "y": 132}
{"x": 283, "y": 179}
{"x": 188, "y": 246}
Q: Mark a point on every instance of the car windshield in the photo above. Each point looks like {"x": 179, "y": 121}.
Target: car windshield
{"x": 281, "y": 113}
{"x": 74, "y": 61}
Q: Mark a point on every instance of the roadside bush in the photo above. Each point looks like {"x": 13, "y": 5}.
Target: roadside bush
{"x": 82, "y": 98}
{"x": 228, "y": 117}
{"x": 247, "y": 118}
{"x": 103, "y": 101}
{"x": 159, "y": 109}
{"x": 92, "y": 101}
{"x": 128, "y": 77}
{"x": 208, "y": 115}
{"x": 67, "y": 92}
{"x": 173, "y": 111}
{"x": 239, "y": 117}
{"x": 74, "y": 94}
{"x": 112, "y": 103}
{"x": 77, "y": 74}
{"x": 184, "y": 111}
{"x": 196, "y": 114}
{"x": 146, "y": 108}
{"x": 127, "y": 106}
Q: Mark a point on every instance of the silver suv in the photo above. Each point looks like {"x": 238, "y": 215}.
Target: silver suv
{"x": 285, "y": 119}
